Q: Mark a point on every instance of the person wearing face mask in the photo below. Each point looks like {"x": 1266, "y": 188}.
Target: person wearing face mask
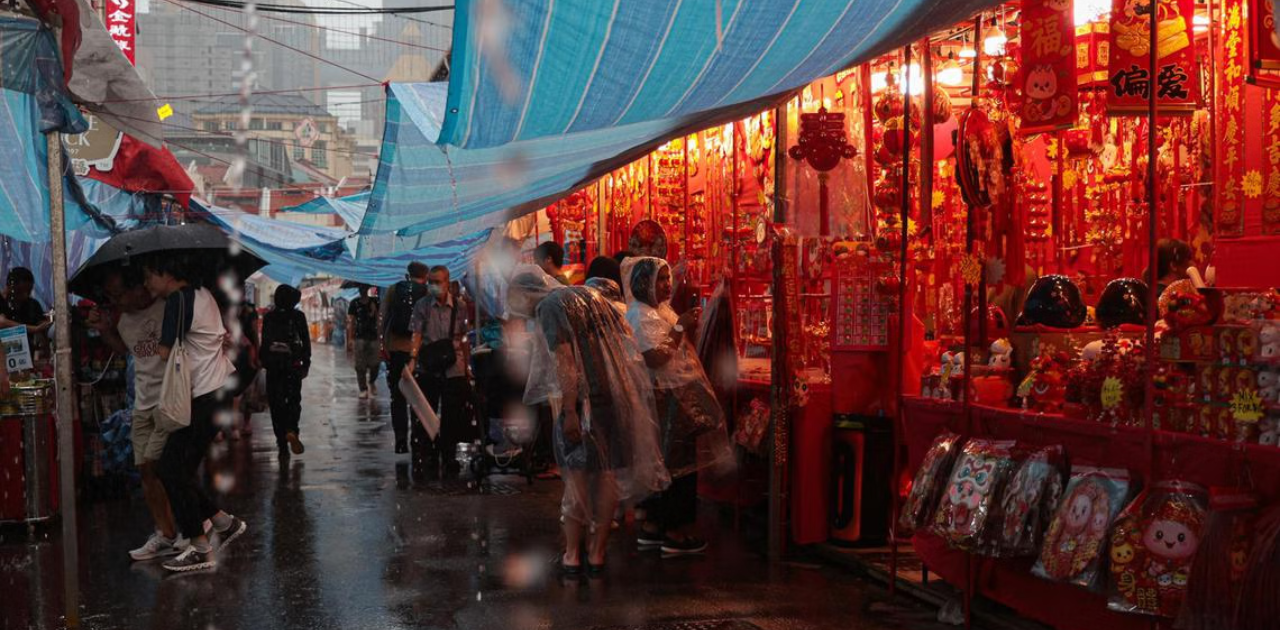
{"x": 687, "y": 406}
{"x": 584, "y": 366}
{"x": 440, "y": 355}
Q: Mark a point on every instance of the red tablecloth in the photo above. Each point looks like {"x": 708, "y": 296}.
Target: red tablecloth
{"x": 1203, "y": 461}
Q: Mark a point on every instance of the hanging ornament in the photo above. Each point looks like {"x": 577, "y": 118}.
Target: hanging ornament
{"x": 971, "y": 269}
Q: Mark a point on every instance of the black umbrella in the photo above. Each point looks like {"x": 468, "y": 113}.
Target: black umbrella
{"x": 208, "y": 248}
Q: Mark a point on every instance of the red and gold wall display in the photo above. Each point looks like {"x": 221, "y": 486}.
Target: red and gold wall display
{"x": 1230, "y": 210}
{"x": 1130, "y": 79}
{"x": 1271, "y": 160}
{"x": 1048, "y": 66}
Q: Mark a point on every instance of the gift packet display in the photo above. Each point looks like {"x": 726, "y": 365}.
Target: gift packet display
{"x": 1218, "y": 569}
{"x": 1027, "y": 504}
{"x": 969, "y": 498}
{"x": 1152, "y": 547}
{"x": 1076, "y": 540}
{"x": 917, "y": 509}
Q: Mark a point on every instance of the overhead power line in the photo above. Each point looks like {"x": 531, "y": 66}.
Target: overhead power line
{"x": 274, "y": 41}
{"x": 401, "y": 16}
{"x": 281, "y": 8}
{"x": 330, "y": 29}
{"x": 197, "y": 97}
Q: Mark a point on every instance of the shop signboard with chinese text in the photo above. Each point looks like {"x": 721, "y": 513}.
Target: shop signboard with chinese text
{"x": 1048, "y": 66}
{"x": 1130, "y": 74}
{"x": 122, "y": 25}
{"x": 1264, "y": 41}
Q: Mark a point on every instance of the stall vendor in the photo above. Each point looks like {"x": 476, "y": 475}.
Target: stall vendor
{"x": 18, "y": 307}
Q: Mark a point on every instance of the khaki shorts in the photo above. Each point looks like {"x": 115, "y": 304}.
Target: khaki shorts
{"x": 150, "y": 433}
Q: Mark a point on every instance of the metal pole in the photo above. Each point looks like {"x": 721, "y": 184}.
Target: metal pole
{"x": 781, "y": 381}
{"x": 1152, "y": 232}
{"x": 64, "y": 382}
{"x": 905, "y": 218}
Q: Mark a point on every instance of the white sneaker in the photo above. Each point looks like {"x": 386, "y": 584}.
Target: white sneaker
{"x": 157, "y": 546}
{"x": 364, "y": 393}
{"x": 191, "y": 560}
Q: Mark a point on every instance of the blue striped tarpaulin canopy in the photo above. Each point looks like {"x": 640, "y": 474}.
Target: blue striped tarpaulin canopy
{"x": 580, "y": 87}
{"x": 351, "y": 208}
{"x": 571, "y": 66}
{"x": 294, "y": 251}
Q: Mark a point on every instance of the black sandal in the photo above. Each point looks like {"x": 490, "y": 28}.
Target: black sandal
{"x": 595, "y": 570}
{"x": 567, "y": 569}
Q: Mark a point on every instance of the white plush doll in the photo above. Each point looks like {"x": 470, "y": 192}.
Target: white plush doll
{"x": 944, "y": 376}
{"x": 1269, "y": 341}
{"x": 1001, "y": 355}
{"x": 1268, "y": 431}
{"x": 1091, "y": 351}
{"x": 1269, "y": 386}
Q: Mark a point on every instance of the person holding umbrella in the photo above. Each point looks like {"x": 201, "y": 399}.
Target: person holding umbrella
{"x": 133, "y": 328}
{"x": 192, "y": 314}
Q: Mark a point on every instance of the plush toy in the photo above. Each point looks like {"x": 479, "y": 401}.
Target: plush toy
{"x": 1158, "y": 534}
{"x": 1269, "y": 431}
{"x": 1246, "y": 345}
{"x": 929, "y": 479}
{"x": 1227, "y": 349}
{"x": 976, "y": 480}
{"x": 1076, "y": 537}
{"x": 1183, "y": 306}
{"x": 943, "y": 391}
{"x": 1091, "y": 351}
{"x": 1001, "y": 355}
{"x": 1269, "y": 386}
{"x": 1269, "y": 341}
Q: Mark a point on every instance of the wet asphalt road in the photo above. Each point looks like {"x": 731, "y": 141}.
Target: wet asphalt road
{"x": 341, "y": 537}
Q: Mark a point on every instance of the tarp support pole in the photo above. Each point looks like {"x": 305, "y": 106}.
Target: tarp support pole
{"x": 64, "y": 382}
{"x": 779, "y": 431}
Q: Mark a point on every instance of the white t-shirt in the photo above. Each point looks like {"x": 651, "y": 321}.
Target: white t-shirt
{"x": 141, "y": 334}
{"x": 208, "y": 360}
{"x": 652, "y": 327}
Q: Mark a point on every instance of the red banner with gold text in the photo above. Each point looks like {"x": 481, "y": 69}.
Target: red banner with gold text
{"x": 1230, "y": 177}
{"x": 1048, "y": 66}
{"x": 1271, "y": 162}
{"x": 1129, "y": 71}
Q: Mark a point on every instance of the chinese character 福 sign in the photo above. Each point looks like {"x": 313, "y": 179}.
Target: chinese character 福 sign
{"x": 121, "y": 25}
{"x": 1048, "y": 65}
{"x": 1130, "y": 79}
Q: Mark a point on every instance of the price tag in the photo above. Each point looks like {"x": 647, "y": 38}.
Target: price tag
{"x": 1112, "y": 392}
{"x": 1246, "y": 406}
{"x": 17, "y": 353}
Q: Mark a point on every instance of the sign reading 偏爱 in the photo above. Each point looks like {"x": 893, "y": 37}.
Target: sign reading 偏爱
{"x": 1130, "y": 79}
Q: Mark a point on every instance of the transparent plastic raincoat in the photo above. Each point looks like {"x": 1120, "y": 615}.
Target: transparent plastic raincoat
{"x": 693, "y": 423}
{"x": 583, "y": 355}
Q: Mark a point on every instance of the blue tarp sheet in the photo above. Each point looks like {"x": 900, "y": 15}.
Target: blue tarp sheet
{"x": 579, "y": 87}
{"x": 572, "y": 66}
{"x": 351, "y": 208}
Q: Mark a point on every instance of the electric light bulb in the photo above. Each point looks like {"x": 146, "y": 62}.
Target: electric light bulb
{"x": 968, "y": 53}
{"x": 951, "y": 75}
{"x": 994, "y": 44}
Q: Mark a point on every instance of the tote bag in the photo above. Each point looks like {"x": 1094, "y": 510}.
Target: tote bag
{"x": 175, "y": 390}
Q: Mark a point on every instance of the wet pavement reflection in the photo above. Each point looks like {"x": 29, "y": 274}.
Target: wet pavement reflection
{"x": 344, "y": 537}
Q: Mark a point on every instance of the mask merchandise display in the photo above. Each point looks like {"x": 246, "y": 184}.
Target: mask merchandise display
{"x": 970, "y": 495}
{"x": 1152, "y": 547}
{"x": 1217, "y": 571}
{"x": 1053, "y": 301}
{"x": 1077, "y": 535}
{"x": 1027, "y": 504}
{"x": 917, "y": 510}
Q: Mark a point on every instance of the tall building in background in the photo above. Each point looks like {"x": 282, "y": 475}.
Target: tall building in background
{"x": 182, "y": 53}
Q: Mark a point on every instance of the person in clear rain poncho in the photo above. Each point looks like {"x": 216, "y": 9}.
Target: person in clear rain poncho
{"x": 692, "y": 421}
{"x": 586, "y": 365}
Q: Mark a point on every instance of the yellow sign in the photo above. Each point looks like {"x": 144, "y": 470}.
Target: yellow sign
{"x": 1246, "y": 406}
{"x": 165, "y": 111}
{"x": 1112, "y": 392}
